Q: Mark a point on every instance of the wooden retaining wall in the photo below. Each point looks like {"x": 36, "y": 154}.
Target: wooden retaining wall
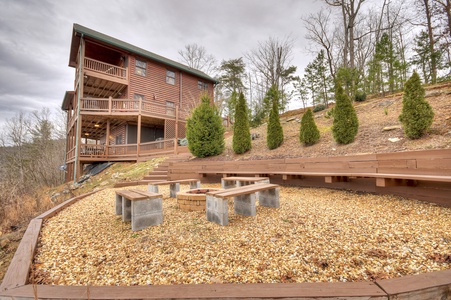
{"x": 429, "y": 162}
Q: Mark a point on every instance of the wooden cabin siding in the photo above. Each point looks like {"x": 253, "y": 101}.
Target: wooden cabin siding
{"x": 154, "y": 88}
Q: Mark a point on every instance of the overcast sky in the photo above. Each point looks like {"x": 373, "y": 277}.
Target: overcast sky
{"x": 35, "y": 37}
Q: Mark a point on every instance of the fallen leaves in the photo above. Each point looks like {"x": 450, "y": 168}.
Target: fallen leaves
{"x": 316, "y": 235}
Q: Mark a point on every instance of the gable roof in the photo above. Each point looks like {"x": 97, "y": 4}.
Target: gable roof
{"x": 79, "y": 30}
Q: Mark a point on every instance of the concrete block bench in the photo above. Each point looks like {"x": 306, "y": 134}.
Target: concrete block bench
{"x": 230, "y": 182}
{"x": 244, "y": 201}
{"x": 174, "y": 185}
{"x": 142, "y": 208}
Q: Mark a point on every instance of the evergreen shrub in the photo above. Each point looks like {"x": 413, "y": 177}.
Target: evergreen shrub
{"x": 346, "y": 123}
{"x": 319, "y": 107}
{"x": 309, "y": 133}
{"x": 204, "y": 130}
{"x": 360, "y": 96}
{"x": 241, "y": 132}
{"x": 274, "y": 136}
{"x": 416, "y": 115}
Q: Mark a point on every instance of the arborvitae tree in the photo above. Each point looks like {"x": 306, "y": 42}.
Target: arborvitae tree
{"x": 204, "y": 130}
{"x": 309, "y": 133}
{"x": 241, "y": 133}
{"x": 274, "y": 136}
{"x": 416, "y": 115}
{"x": 346, "y": 123}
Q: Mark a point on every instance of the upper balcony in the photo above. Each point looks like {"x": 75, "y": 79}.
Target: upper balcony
{"x": 101, "y": 79}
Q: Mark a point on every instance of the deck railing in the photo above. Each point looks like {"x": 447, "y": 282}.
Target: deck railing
{"x": 104, "y": 68}
{"x": 110, "y": 105}
{"x": 126, "y": 151}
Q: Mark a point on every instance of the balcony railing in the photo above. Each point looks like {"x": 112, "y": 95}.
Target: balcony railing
{"x": 126, "y": 151}
{"x": 104, "y": 68}
{"x": 110, "y": 105}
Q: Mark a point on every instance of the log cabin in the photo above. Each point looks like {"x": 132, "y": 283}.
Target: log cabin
{"x": 128, "y": 104}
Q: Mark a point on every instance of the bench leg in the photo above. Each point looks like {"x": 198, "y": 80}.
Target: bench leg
{"x": 245, "y": 205}
{"x": 174, "y": 188}
{"x": 126, "y": 210}
{"x": 217, "y": 210}
{"x": 227, "y": 184}
{"x": 194, "y": 185}
{"x": 147, "y": 212}
{"x": 269, "y": 198}
{"x": 118, "y": 204}
{"x": 152, "y": 188}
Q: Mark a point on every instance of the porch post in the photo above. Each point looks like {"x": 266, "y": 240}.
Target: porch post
{"x": 176, "y": 142}
{"x": 138, "y": 138}
{"x": 107, "y": 139}
{"x": 81, "y": 58}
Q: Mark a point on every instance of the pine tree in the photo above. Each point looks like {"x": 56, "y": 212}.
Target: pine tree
{"x": 309, "y": 133}
{"x": 416, "y": 115}
{"x": 241, "y": 133}
{"x": 346, "y": 123}
{"x": 274, "y": 136}
{"x": 204, "y": 130}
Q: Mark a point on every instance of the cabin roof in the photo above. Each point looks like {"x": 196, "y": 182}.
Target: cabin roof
{"x": 79, "y": 30}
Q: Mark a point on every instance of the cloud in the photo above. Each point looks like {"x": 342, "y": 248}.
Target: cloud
{"x": 35, "y": 37}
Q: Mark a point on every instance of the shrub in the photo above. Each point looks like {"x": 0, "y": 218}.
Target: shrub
{"x": 309, "y": 133}
{"x": 416, "y": 115}
{"x": 241, "y": 134}
{"x": 360, "y": 96}
{"x": 330, "y": 113}
{"x": 319, "y": 107}
{"x": 274, "y": 136}
{"x": 346, "y": 123}
{"x": 204, "y": 130}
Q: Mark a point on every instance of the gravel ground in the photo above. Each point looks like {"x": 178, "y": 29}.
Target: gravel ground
{"x": 317, "y": 235}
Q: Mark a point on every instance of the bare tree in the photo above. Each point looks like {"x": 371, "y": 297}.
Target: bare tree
{"x": 349, "y": 11}
{"x": 445, "y": 8}
{"x": 426, "y": 6}
{"x": 319, "y": 32}
{"x": 17, "y": 135}
{"x": 196, "y": 57}
{"x": 271, "y": 60}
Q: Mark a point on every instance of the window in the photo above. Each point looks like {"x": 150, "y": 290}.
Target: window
{"x": 170, "y": 108}
{"x": 202, "y": 85}
{"x": 170, "y": 77}
{"x": 137, "y": 97}
{"x": 118, "y": 139}
{"x": 140, "y": 67}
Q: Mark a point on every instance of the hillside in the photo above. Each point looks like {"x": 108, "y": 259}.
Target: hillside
{"x": 374, "y": 115}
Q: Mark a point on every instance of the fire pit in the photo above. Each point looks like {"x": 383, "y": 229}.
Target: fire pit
{"x": 193, "y": 200}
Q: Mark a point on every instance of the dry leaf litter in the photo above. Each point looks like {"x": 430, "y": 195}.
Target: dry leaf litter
{"x": 317, "y": 235}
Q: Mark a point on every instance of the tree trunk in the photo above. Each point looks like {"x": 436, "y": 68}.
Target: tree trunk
{"x": 431, "y": 41}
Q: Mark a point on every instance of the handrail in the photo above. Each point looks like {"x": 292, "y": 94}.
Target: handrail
{"x": 129, "y": 105}
{"x": 105, "y": 68}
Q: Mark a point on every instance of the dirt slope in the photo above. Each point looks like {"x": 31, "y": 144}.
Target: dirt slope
{"x": 374, "y": 115}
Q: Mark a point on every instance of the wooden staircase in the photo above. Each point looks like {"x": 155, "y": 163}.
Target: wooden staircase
{"x": 161, "y": 172}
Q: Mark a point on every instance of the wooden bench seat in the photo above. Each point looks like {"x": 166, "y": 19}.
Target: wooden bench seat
{"x": 257, "y": 173}
{"x": 229, "y": 182}
{"x": 174, "y": 185}
{"x": 244, "y": 201}
{"x": 142, "y": 208}
{"x": 382, "y": 179}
